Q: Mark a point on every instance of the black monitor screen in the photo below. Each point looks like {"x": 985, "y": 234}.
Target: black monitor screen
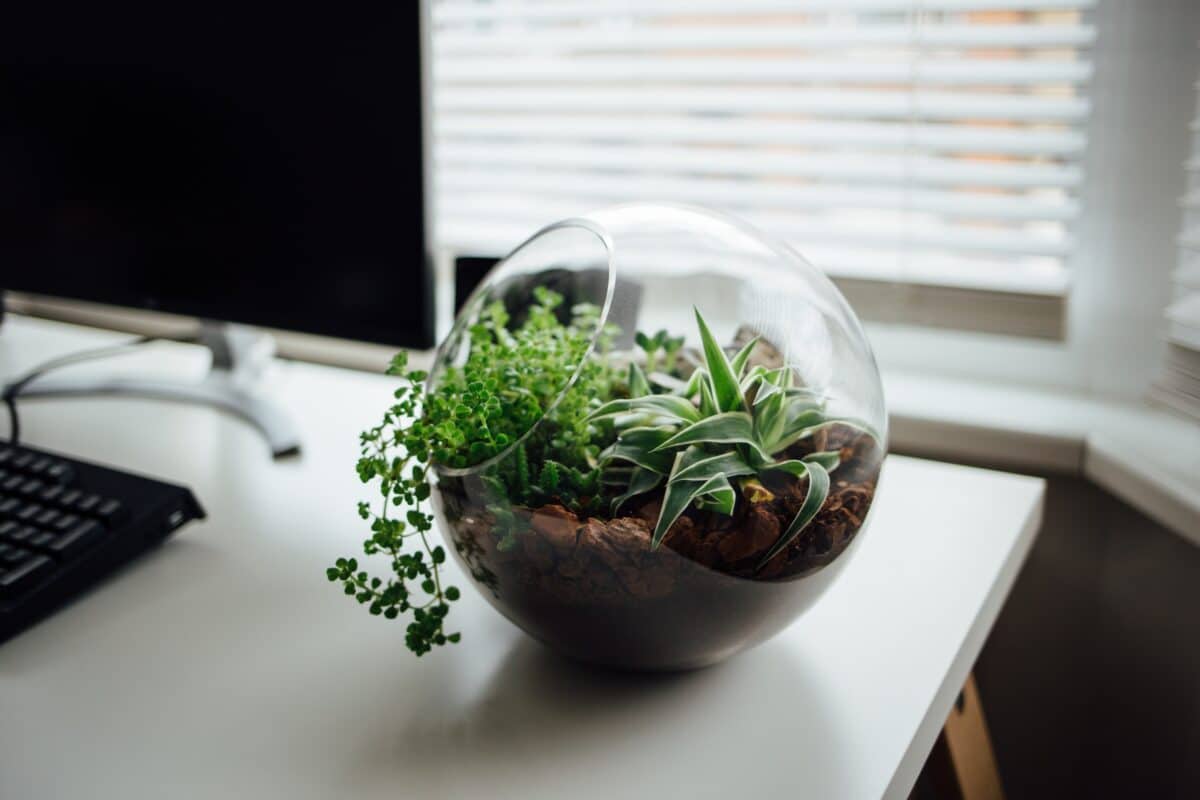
{"x": 259, "y": 163}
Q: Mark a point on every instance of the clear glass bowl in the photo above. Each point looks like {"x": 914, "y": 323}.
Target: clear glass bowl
{"x": 589, "y": 582}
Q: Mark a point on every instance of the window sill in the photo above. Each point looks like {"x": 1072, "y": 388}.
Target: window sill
{"x": 1147, "y": 457}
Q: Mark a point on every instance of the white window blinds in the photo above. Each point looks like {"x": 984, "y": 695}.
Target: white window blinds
{"x": 1178, "y": 385}
{"x": 918, "y": 142}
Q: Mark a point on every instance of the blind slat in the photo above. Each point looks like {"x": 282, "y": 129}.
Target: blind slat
{"x": 767, "y": 37}
{"x": 618, "y": 69}
{"x": 473, "y": 12}
{"x": 1023, "y": 140}
{"x": 1032, "y": 276}
{"x": 762, "y": 163}
{"x": 522, "y": 216}
{"x": 840, "y": 103}
{"x": 720, "y": 192}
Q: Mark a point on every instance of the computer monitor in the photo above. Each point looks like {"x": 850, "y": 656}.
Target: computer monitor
{"x": 235, "y": 161}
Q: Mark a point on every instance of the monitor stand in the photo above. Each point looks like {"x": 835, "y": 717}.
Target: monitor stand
{"x": 239, "y": 357}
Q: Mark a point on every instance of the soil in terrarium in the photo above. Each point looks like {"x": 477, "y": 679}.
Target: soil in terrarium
{"x": 588, "y": 559}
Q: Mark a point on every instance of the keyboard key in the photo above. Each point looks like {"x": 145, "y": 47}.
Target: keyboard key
{"x": 30, "y": 487}
{"x": 88, "y": 503}
{"x": 8, "y": 527}
{"x": 22, "y": 461}
{"x": 9, "y": 506}
{"x": 18, "y": 577}
{"x": 50, "y": 494}
{"x": 65, "y": 522}
{"x": 12, "y": 482}
{"x": 27, "y": 512}
{"x": 24, "y": 533}
{"x": 40, "y": 465}
{"x": 13, "y": 556}
{"x": 60, "y": 472}
{"x": 47, "y": 518}
{"x": 111, "y": 511}
{"x": 75, "y": 540}
{"x": 6, "y": 455}
{"x": 41, "y": 538}
{"x": 69, "y": 497}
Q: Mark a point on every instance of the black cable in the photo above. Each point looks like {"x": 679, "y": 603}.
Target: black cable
{"x": 14, "y": 388}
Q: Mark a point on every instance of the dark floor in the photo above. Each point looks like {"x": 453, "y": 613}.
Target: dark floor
{"x": 1091, "y": 676}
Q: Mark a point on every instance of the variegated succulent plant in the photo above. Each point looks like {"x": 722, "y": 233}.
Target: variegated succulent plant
{"x": 721, "y": 431}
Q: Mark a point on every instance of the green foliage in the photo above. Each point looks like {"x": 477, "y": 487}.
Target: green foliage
{"x": 728, "y": 421}
{"x": 660, "y": 342}
{"x": 510, "y": 380}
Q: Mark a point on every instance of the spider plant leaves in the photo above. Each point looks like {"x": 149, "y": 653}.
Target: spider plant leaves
{"x": 658, "y": 405}
{"x": 822, "y": 422}
{"x": 731, "y": 427}
{"x": 743, "y": 356}
{"x": 724, "y": 379}
{"x": 818, "y": 491}
{"x": 800, "y": 421}
{"x": 640, "y": 482}
{"x": 640, "y": 446}
{"x": 829, "y": 460}
{"x": 716, "y": 494}
{"x": 694, "y": 384}
{"x": 730, "y": 464}
{"x": 681, "y": 494}
{"x": 638, "y": 385}
{"x": 708, "y": 398}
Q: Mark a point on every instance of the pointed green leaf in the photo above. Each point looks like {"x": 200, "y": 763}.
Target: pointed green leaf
{"x": 642, "y": 481}
{"x": 798, "y": 426}
{"x": 638, "y": 386}
{"x": 676, "y": 499}
{"x": 638, "y": 446}
{"x": 716, "y": 494}
{"x": 724, "y": 380}
{"x": 829, "y": 459}
{"x": 793, "y": 466}
{"x": 768, "y": 419}
{"x": 708, "y": 399}
{"x": 732, "y": 427}
{"x": 752, "y": 377}
{"x": 818, "y": 491}
{"x": 694, "y": 383}
{"x": 804, "y": 433}
{"x": 743, "y": 356}
{"x": 729, "y": 464}
{"x": 665, "y": 405}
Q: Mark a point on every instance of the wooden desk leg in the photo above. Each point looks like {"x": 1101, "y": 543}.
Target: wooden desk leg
{"x": 962, "y": 764}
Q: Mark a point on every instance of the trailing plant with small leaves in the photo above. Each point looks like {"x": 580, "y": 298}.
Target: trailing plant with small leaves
{"x": 510, "y": 381}
{"x": 729, "y": 422}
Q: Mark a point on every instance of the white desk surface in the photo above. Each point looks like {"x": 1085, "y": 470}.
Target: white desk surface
{"x": 225, "y": 665}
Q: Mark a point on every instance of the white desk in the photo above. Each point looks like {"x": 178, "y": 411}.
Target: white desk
{"x": 225, "y": 665}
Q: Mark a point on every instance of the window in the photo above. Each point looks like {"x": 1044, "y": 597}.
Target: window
{"x": 919, "y": 151}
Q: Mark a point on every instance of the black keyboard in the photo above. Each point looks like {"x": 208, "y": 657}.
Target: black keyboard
{"x": 65, "y": 524}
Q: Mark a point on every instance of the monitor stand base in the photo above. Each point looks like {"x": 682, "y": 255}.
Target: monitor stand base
{"x": 239, "y": 356}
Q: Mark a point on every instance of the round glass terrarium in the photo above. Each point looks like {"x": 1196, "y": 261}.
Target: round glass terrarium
{"x": 698, "y": 473}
